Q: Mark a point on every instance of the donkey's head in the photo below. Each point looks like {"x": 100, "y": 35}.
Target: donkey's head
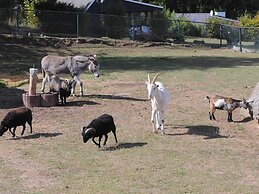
{"x": 94, "y": 65}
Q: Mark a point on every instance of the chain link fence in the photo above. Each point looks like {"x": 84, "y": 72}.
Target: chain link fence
{"x": 71, "y": 24}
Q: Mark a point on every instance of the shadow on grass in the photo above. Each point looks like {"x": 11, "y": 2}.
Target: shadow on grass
{"x": 10, "y": 98}
{"x": 115, "y": 97}
{"x": 245, "y": 120}
{"x": 124, "y": 146}
{"x": 210, "y": 132}
{"x": 37, "y": 135}
{"x": 173, "y": 63}
{"x": 80, "y": 103}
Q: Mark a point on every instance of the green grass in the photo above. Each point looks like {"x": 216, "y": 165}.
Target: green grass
{"x": 191, "y": 158}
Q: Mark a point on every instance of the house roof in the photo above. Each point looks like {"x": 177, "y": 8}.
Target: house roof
{"x": 76, "y": 3}
{"x": 202, "y": 17}
{"x": 132, "y": 6}
{"x": 195, "y": 17}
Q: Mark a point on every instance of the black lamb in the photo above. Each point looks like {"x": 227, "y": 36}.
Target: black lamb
{"x": 99, "y": 127}
{"x": 14, "y": 118}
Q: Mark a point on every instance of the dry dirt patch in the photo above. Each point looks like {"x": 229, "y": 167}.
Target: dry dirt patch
{"x": 31, "y": 174}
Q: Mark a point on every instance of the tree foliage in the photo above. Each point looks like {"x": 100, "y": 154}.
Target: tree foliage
{"x": 247, "y": 20}
{"x": 53, "y": 21}
{"x": 116, "y": 27}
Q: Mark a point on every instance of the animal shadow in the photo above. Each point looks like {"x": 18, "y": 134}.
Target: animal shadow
{"x": 114, "y": 97}
{"x": 245, "y": 120}
{"x": 37, "y": 135}
{"x": 210, "y": 132}
{"x": 124, "y": 146}
{"x": 80, "y": 103}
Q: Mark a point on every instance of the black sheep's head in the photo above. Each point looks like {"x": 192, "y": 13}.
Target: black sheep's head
{"x": 2, "y": 130}
{"x": 87, "y": 133}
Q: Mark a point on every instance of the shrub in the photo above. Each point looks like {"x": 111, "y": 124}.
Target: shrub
{"x": 2, "y": 84}
{"x": 63, "y": 20}
{"x": 213, "y": 28}
{"x": 160, "y": 24}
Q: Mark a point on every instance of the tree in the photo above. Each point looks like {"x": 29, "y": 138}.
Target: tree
{"x": 56, "y": 17}
{"x": 115, "y": 23}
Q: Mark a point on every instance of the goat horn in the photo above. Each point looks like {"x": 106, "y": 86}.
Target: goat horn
{"x": 153, "y": 81}
{"x": 148, "y": 78}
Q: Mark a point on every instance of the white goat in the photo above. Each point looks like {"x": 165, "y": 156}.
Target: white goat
{"x": 159, "y": 102}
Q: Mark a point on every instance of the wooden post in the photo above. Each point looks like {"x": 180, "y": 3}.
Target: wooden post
{"x": 33, "y": 81}
{"x": 31, "y": 99}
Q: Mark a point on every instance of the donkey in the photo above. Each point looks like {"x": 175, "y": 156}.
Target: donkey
{"x": 73, "y": 65}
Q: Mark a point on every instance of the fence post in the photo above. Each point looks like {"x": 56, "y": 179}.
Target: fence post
{"x": 16, "y": 10}
{"x": 133, "y": 27}
{"x": 220, "y": 35}
{"x": 178, "y": 29}
{"x": 240, "y": 39}
{"x": 77, "y": 25}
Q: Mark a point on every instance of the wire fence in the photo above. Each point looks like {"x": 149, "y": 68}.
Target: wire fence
{"x": 71, "y": 24}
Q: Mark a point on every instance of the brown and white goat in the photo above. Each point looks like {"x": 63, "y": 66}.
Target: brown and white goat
{"x": 225, "y": 103}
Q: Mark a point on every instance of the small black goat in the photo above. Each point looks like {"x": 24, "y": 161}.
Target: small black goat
{"x": 64, "y": 88}
{"x": 99, "y": 127}
{"x": 14, "y": 118}
{"x": 65, "y": 91}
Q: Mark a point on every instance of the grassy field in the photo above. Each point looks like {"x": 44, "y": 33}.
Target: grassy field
{"x": 195, "y": 156}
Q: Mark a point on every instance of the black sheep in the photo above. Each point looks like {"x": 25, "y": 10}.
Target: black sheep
{"x": 14, "y": 118}
{"x": 99, "y": 127}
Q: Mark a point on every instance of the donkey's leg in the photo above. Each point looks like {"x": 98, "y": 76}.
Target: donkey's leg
{"x": 78, "y": 81}
{"x": 44, "y": 81}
